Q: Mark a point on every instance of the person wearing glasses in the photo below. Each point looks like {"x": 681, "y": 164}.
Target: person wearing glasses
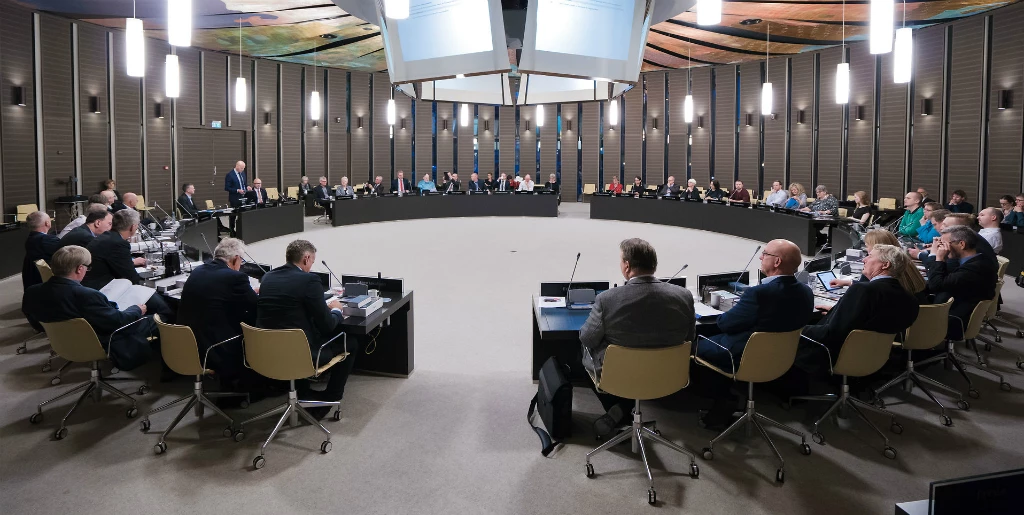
{"x": 64, "y": 298}
{"x": 1014, "y": 216}
{"x": 779, "y": 304}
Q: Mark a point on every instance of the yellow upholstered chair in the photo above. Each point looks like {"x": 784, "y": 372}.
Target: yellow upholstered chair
{"x": 293, "y": 192}
{"x": 589, "y": 189}
{"x": 850, "y": 198}
{"x": 44, "y": 270}
{"x": 843, "y": 211}
{"x": 644, "y": 374}
{"x": 141, "y": 206}
{"x": 766, "y": 193}
{"x": 272, "y": 194}
{"x": 209, "y": 204}
{"x": 765, "y": 358}
{"x": 607, "y": 187}
{"x": 628, "y": 188}
{"x": 24, "y": 210}
{"x": 887, "y": 203}
{"x": 284, "y": 355}
{"x": 76, "y": 341}
{"x": 863, "y": 353}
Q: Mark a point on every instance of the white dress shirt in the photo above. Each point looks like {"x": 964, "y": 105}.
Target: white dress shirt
{"x": 994, "y": 237}
{"x": 80, "y": 219}
{"x": 777, "y": 198}
{"x": 526, "y": 186}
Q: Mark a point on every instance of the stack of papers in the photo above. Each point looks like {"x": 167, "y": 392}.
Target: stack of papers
{"x": 550, "y": 302}
{"x": 703, "y": 310}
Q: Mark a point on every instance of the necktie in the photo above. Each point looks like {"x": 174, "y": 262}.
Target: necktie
{"x": 259, "y": 196}
{"x": 401, "y": 186}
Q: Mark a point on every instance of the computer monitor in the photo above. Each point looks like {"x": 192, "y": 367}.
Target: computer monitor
{"x": 724, "y": 281}
{"x": 325, "y": 279}
{"x": 678, "y": 281}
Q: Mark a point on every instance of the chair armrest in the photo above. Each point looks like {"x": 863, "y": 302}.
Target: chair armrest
{"x": 110, "y": 341}
{"x": 731, "y": 362}
{"x": 962, "y": 329}
{"x": 320, "y": 350}
{"x": 826, "y": 351}
{"x": 206, "y": 356}
{"x": 592, "y": 374}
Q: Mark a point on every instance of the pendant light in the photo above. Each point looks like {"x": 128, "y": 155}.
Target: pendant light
{"x": 881, "y": 26}
{"x": 709, "y": 12}
{"x": 391, "y": 110}
{"x": 396, "y": 9}
{"x": 688, "y": 101}
{"x": 540, "y": 116}
{"x": 843, "y": 70}
{"x": 241, "y": 102}
{"x": 464, "y": 115}
{"x": 172, "y": 81}
{"x": 179, "y": 22}
{"x": 903, "y": 53}
{"x": 135, "y": 46}
{"x": 613, "y": 112}
{"x": 766, "y": 88}
{"x": 314, "y": 97}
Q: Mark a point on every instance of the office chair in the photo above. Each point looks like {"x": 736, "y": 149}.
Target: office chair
{"x": 284, "y": 355}
{"x": 765, "y": 358}
{"x": 990, "y": 315}
{"x": 969, "y": 331}
{"x": 46, "y": 273}
{"x": 293, "y": 192}
{"x": 209, "y": 205}
{"x": 644, "y": 374}
{"x": 927, "y": 332}
{"x": 863, "y": 353}
{"x": 180, "y": 351}
{"x": 76, "y": 341}
{"x": 996, "y": 315}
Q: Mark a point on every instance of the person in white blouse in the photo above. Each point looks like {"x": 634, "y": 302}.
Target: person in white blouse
{"x": 989, "y": 220}
{"x": 778, "y": 196}
{"x": 526, "y": 184}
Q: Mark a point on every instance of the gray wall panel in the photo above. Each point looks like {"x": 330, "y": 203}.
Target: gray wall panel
{"x": 1004, "y": 146}
{"x": 965, "y": 108}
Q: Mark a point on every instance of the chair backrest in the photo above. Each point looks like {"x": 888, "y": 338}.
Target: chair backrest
{"x": 628, "y": 188}
{"x": 843, "y": 211}
{"x": 589, "y": 189}
{"x": 293, "y": 191}
{"x": 272, "y": 194}
{"x": 751, "y": 193}
{"x": 863, "y": 353}
{"x": 607, "y": 186}
{"x": 281, "y": 354}
{"x": 1003, "y": 264}
{"x": 977, "y": 319}
{"x": 767, "y": 356}
{"x": 142, "y": 203}
{"x": 209, "y": 204}
{"x": 179, "y": 348}
{"x": 850, "y": 198}
{"x": 887, "y": 203}
{"x": 930, "y": 327}
{"x": 766, "y": 193}
{"x": 645, "y": 373}
{"x": 74, "y": 340}
{"x": 994, "y": 305}
{"x": 44, "y": 270}
{"x": 26, "y": 209}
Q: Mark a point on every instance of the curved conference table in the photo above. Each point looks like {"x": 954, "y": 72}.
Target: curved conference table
{"x": 387, "y": 208}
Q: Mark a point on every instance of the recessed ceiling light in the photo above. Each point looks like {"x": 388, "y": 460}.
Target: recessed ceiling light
{"x": 368, "y": 28}
{"x": 751, "y": 21}
{"x": 328, "y": 36}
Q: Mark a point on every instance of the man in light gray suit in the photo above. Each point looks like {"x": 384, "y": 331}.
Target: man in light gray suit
{"x": 644, "y": 312}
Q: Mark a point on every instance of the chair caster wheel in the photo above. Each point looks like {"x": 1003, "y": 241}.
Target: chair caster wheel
{"x": 974, "y": 394}
{"x": 999, "y": 339}
{"x": 243, "y": 404}
{"x": 60, "y": 434}
{"x": 238, "y": 436}
{"x": 1020, "y": 334}
{"x": 946, "y": 421}
{"x": 46, "y": 367}
{"x": 896, "y": 428}
{"x": 694, "y": 471}
{"x": 988, "y": 346}
{"x": 55, "y": 381}
{"x": 780, "y": 476}
{"x": 144, "y": 425}
{"x": 259, "y": 462}
{"x": 228, "y": 432}
{"x": 36, "y": 418}
{"x": 325, "y": 447}
{"x": 652, "y": 497}
{"x": 114, "y": 370}
{"x": 143, "y": 390}
{"x": 806, "y": 449}
{"x": 132, "y": 412}
{"x": 963, "y": 405}
{"x": 707, "y": 453}
{"x": 1004, "y": 386}
{"x": 590, "y": 470}
{"x": 1020, "y": 364}
{"x": 160, "y": 448}
{"x": 818, "y": 438}
{"x": 20, "y": 350}
{"x": 890, "y": 453}
{"x": 337, "y": 415}
{"x": 879, "y": 402}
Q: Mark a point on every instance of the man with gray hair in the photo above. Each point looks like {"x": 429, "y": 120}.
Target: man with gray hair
{"x": 969, "y": 279}
{"x": 215, "y": 300}
{"x": 40, "y": 244}
{"x": 642, "y": 313}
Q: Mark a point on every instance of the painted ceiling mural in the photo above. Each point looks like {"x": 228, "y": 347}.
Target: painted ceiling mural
{"x": 296, "y": 30}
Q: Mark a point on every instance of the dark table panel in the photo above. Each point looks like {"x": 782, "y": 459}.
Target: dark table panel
{"x": 386, "y": 337}
{"x": 201, "y": 236}
{"x": 13, "y": 243}
{"x": 1013, "y": 249}
{"x": 384, "y": 209}
{"x": 271, "y": 222}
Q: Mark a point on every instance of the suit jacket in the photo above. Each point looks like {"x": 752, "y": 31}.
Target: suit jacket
{"x": 455, "y": 185}
{"x": 375, "y": 188}
{"x": 644, "y": 312}
{"x": 406, "y": 185}
{"x": 117, "y": 206}
{"x": 304, "y": 189}
{"x": 344, "y": 190}
{"x": 214, "y": 301}
{"x": 477, "y": 185}
{"x": 665, "y": 189}
{"x": 111, "y": 259}
{"x": 81, "y": 236}
{"x": 322, "y": 192}
{"x": 498, "y": 185}
{"x": 963, "y": 207}
{"x": 780, "y": 305}
{"x": 233, "y": 183}
{"x": 968, "y": 284}
{"x": 37, "y": 246}
{"x": 292, "y": 299}
{"x": 552, "y": 186}
{"x": 693, "y": 194}
{"x": 61, "y": 299}
{"x": 187, "y": 206}
{"x": 259, "y": 199}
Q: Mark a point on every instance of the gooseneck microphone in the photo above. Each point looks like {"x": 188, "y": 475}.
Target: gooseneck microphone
{"x": 676, "y": 274}
{"x": 751, "y": 260}
{"x": 331, "y": 272}
{"x": 567, "y": 288}
{"x": 253, "y": 261}
{"x": 207, "y": 244}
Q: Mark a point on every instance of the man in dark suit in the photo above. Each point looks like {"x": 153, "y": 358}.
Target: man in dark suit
{"x": 400, "y": 185}
{"x": 451, "y": 183}
{"x": 323, "y": 196}
{"x": 217, "y": 298}
{"x": 291, "y": 297}
{"x": 39, "y": 245}
{"x": 879, "y": 304}
{"x": 970, "y": 280}
{"x": 97, "y": 221}
{"x": 304, "y": 187}
{"x": 64, "y": 298}
{"x": 376, "y": 187}
{"x": 644, "y": 312}
{"x": 503, "y": 184}
{"x": 186, "y": 205}
{"x": 475, "y": 184}
{"x": 235, "y": 183}
{"x": 670, "y": 188}
{"x": 257, "y": 195}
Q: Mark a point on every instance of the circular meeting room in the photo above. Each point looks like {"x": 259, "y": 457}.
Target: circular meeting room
{"x": 512, "y": 256}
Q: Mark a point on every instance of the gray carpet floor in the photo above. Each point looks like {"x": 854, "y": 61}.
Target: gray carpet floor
{"x": 452, "y": 438}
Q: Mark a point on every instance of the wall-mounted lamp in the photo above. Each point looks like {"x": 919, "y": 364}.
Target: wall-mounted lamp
{"x": 749, "y": 119}
{"x": 316, "y": 123}
{"x": 800, "y": 117}
{"x": 337, "y": 119}
{"x": 858, "y": 112}
{"x": 94, "y": 104}
{"x": 700, "y": 122}
{"x": 568, "y": 125}
{"x": 444, "y": 125}
{"x": 528, "y": 125}
{"x": 402, "y": 124}
{"x": 772, "y": 116}
{"x": 926, "y": 106}
{"x": 1005, "y": 98}
{"x": 359, "y": 122}
{"x": 266, "y": 118}
{"x": 654, "y": 123}
{"x": 487, "y": 125}
{"x": 18, "y": 96}
{"x": 159, "y": 110}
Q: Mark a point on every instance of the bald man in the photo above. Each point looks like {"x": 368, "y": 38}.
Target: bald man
{"x": 235, "y": 184}
{"x": 779, "y": 304}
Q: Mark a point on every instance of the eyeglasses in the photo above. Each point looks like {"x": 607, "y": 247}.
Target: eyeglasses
{"x": 766, "y": 253}
{"x": 88, "y": 266}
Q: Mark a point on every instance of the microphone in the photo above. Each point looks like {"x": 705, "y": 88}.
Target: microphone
{"x": 567, "y": 288}
{"x": 187, "y": 212}
{"x": 745, "y": 268}
{"x": 253, "y": 261}
{"x": 207, "y": 244}
{"x": 676, "y": 274}
{"x": 162, "y": 211}
{"x": 213, "y": 180}
{"x": 331, "y": 272}
{"x": 816, "y": 254}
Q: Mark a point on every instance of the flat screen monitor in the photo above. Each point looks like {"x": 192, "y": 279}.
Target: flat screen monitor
{"x": 724, "y": 281}
{"x": 678, "y": 281}
{"x": 481, "y": 89}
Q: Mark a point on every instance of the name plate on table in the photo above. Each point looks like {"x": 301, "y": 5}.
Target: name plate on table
{"x": 375, "y": 283}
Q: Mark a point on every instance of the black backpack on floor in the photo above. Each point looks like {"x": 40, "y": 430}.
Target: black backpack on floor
{"x": 554, "y": 402}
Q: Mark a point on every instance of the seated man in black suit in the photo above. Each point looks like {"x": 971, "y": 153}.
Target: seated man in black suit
{"x": 970, "y": 279}
{"x": 451, "y": 183}
{"x": 97, "y": 222}
{"x": 475, "y": 184}
{"x": 186, "y": 205}
{"x": 669, "y": 189}
{"x": 39, "y": 245}
{"x": 216, "y": 298}
{"x": 64, "y": 298}
{"x": 256, "y": 195}
{"x": 401, "y": 185}
{"x": 376, "y": 187}
{"x": 879, "y": 304}
{"x": 290, "y": 297}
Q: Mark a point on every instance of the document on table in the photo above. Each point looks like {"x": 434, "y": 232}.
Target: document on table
{"x": 703, "y": 310}
{"x": 125, "y": 294}
{"x": 550, "y": 302}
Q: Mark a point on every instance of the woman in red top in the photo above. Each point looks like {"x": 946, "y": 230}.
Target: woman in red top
{"x": 513, "y": 180}
{"x": 615, "y": 186}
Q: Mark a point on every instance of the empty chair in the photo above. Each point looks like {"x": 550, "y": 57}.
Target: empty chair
{"x": 589, "y": 189}
{"x": 765, "y": 358}
{"x": 886, "y": 203}
{"x": 996, "y": 315}
{"x": 209, "y": 205}
{"x": 970, "y": 330}
{"x": 23, "y": 210}
{"x": 141, "y": 206}
{"x": 272, "y": 194}
{"x": 863, "y": 353}
{"x": 76, "y": 341}
{"x": 284, "y": 355}
{"x": 990, "y": 315}
{"x": 644, "y": 374}
{"x": 181, "y": 354}
{"x": 927, "y": 332}
{"x": 293, "y": 192}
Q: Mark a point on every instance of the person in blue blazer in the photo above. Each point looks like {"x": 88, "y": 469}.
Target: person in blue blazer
{"x": 236, "y": 184}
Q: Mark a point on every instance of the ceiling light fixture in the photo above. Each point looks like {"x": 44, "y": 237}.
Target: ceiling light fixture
{"x": 540, "y": 116}
{"x": 172, "y": 77}
{"x": 464, "y": 115}
{"x": 391, "y": 110}
{"x": 766, "y": 88}
{"x": 903, "y": 53}
{"x": 135, "y": 46}
{"x": 396, "y": 9}
{"x": 179, "y": 22}
{"x": 688, "y": 101}
{"x": 709, "y": 12}
{"x": 613, "y": 112}
{"x": 843, "y": 70}
{"x": 241, "y": 102}
{"x": 314, "y": 96}
{"x": 882, "y": 13}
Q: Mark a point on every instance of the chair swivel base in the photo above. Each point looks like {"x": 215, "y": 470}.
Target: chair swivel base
{"x": 752, "y": 417}
{"x": 959, "y": 361}
{"x": 95, "y": 386}
{"x": 636, "y": 434}
{"x": 844, "y": 401}
{"x": 197, "y": 399}
{"x": 289, "y": 410}
{"x": 911, "y": 377}
{"x": 989, "y": 345}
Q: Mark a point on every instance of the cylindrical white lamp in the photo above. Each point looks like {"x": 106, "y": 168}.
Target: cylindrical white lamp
{"x": 172, "y": 81}
{"x": 540, "y": 116}
{"x": 391, "y": 111}
{"x": 709, "y": 12}
{"x": 179, "y": 22}
{"x": 843, "y": 83}
{"x": 613, "y": 112}
{"x": 903, "y": 56}
{"x": 688, "y": 109}
{"x": 241, "y": 100}
{"x": 464, "y": 115}
{"x": 135, "y": 47}
{"x": 314, "y": 105}
{"x": 766, "y": 98}
{"x": 882, "y": 14}
{"x": 396, "y": 9}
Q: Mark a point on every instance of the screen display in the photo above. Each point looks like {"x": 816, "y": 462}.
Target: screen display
{"x": 594, "y": 28}
{"x": 825, "y": 278}
{"x": 444, "y": 28}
